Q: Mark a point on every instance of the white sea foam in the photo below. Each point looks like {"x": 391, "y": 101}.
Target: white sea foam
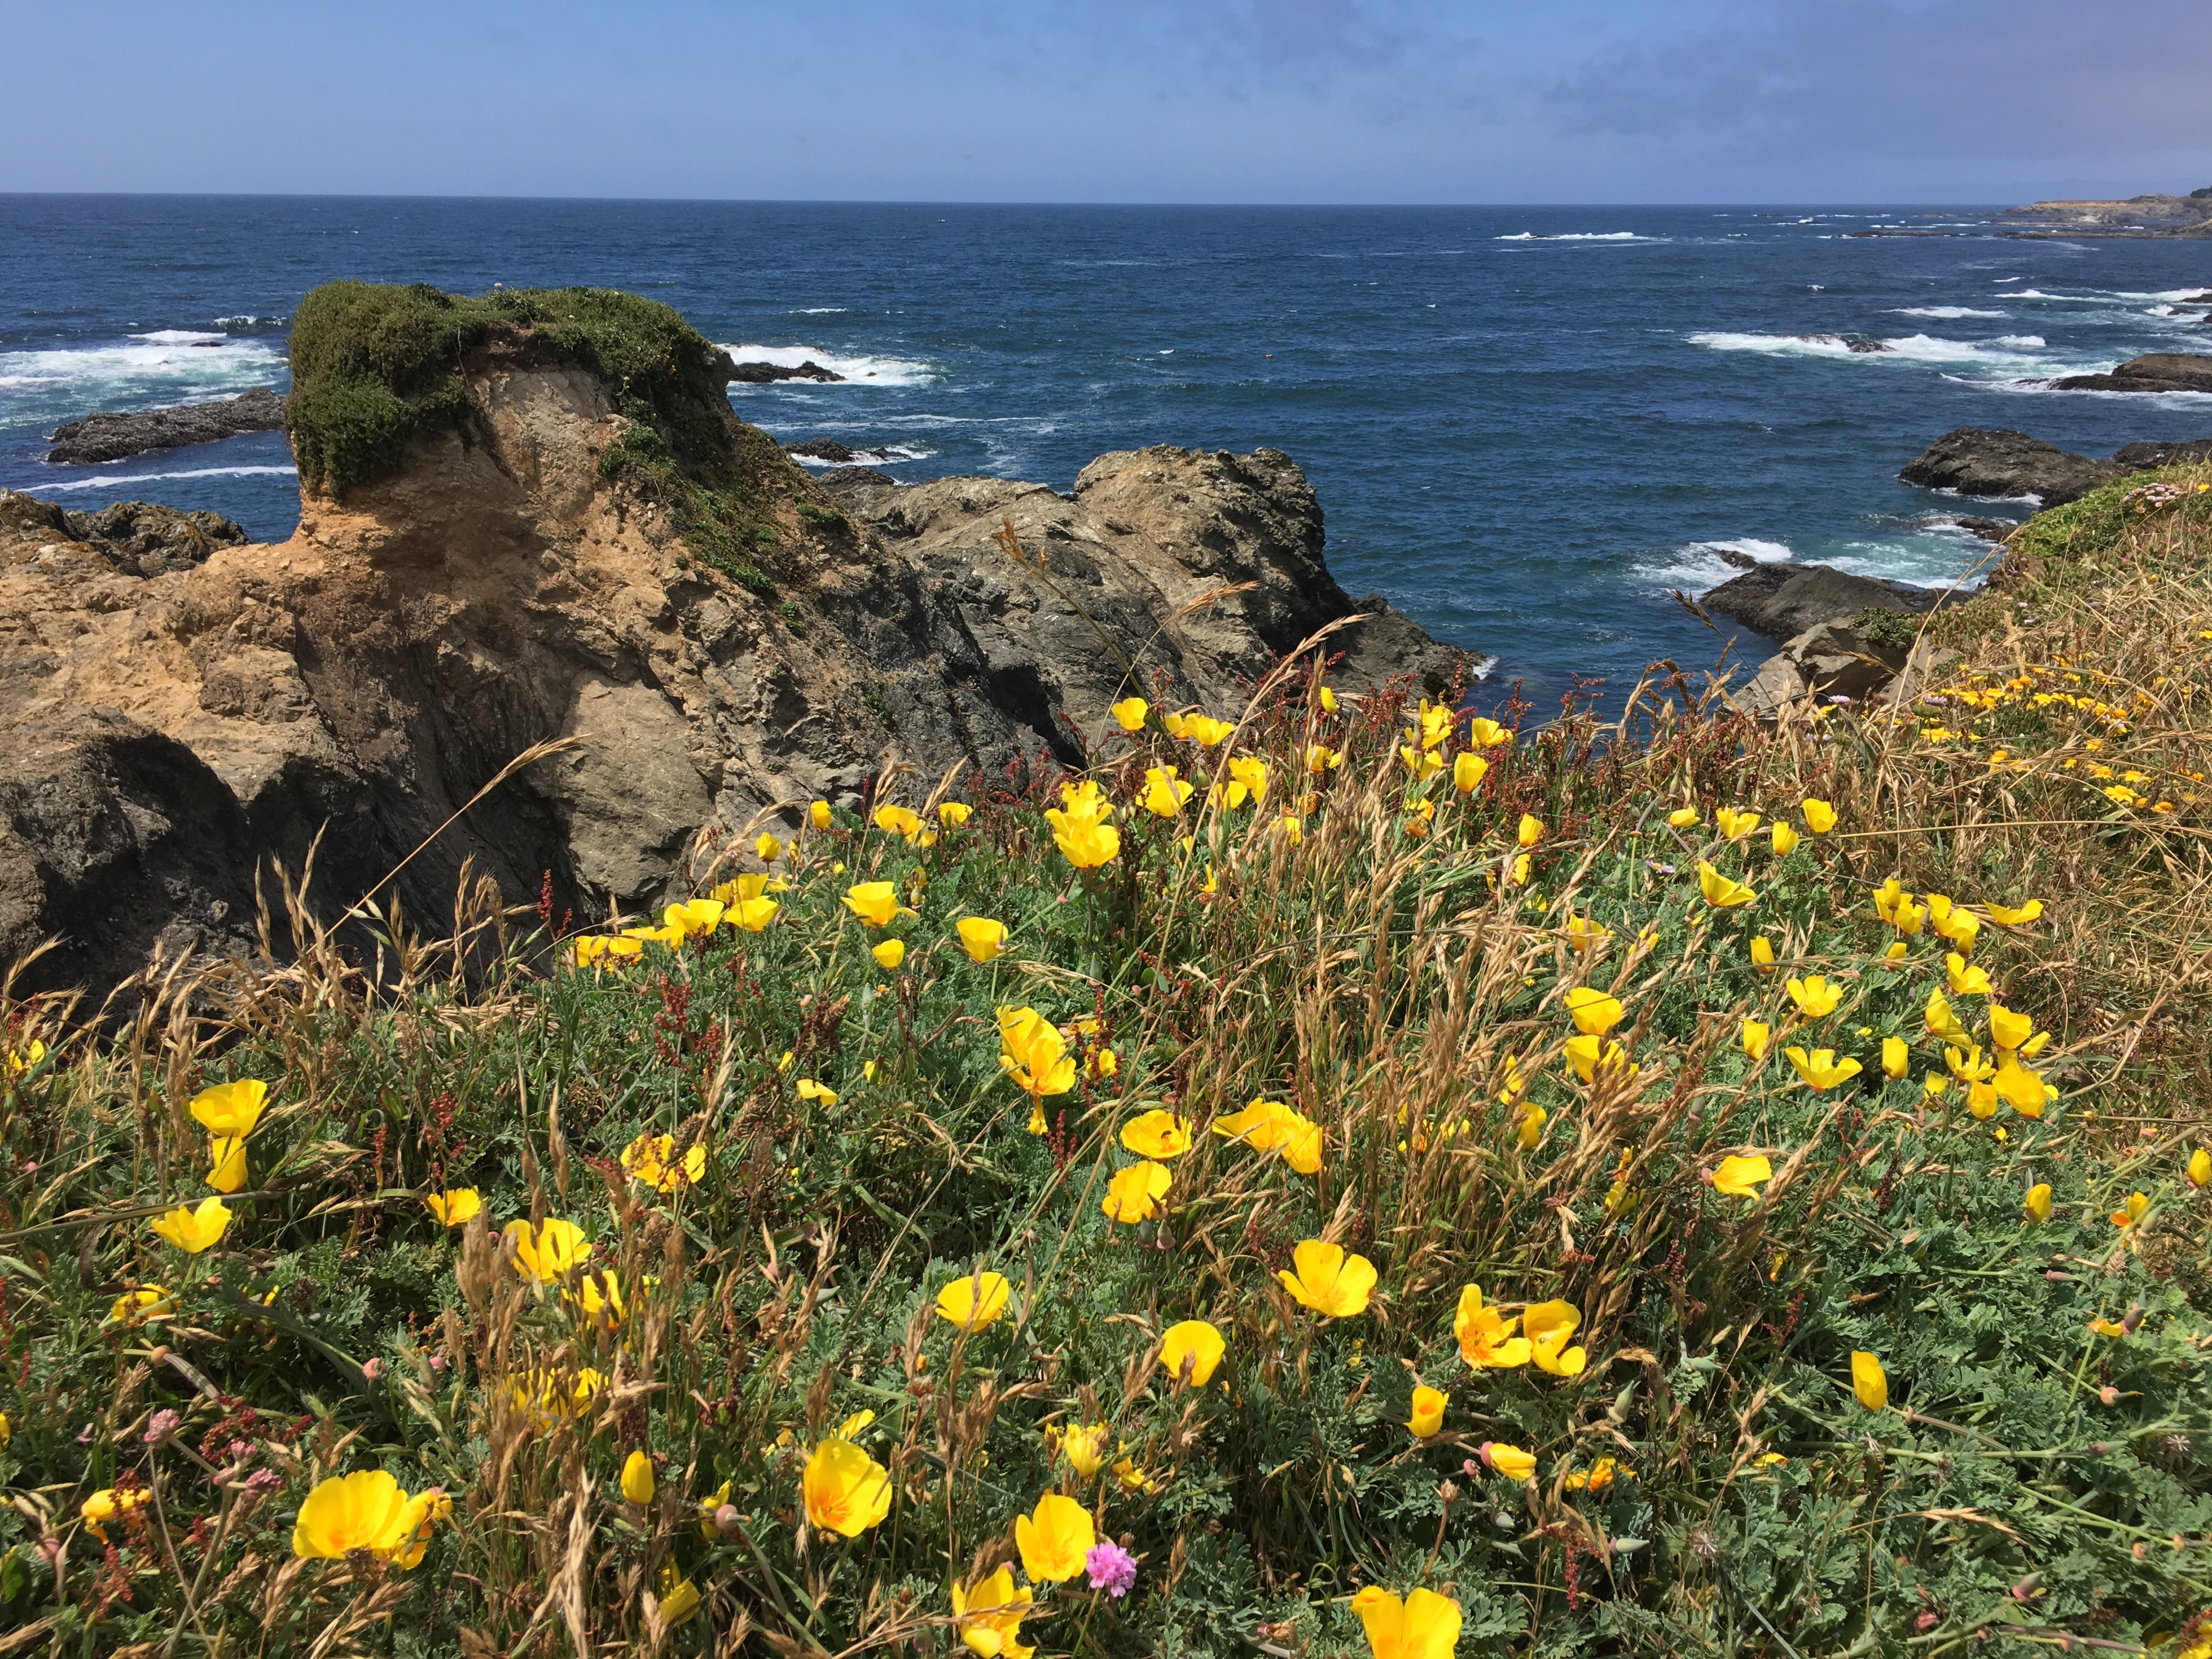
{"x": 1946, "y": 313}
{"x": 163, "y": 367}
{"x": 857, "y": 367}
{"x": 2012, "y": 354}
{"x": 110, "y": 480}
{"x": 875, "y": 455}
{"x": 817, "y": 311}
{"x": 1698, "y": 565}
{"x": 1580, "y": 236}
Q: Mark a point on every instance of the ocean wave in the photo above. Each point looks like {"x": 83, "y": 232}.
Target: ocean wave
{"x": 857, "y": 367}
{"x": 2192, "y": 401}
{"x": 2010, "y": 354}
{"x": 1579, "y": 236}
{"x": 1946, "y": 313}
{"x": 109, "y": 480}
{"x": 819, "y": 311}
{"x": 1698, "y": 567}
{"x": 166, "y": 365}
{"x": 1928, "y": 558}
{"x": 876, "y": 455}
{"x": 249, "y": 322}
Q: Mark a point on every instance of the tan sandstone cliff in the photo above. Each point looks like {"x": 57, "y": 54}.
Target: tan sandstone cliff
{"x": 162, "y": 735}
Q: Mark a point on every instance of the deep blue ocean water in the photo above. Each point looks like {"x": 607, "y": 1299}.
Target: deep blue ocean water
{"x": 1525, "y": 424}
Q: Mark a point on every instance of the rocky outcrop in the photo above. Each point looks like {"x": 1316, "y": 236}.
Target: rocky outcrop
{"x": 114, "y": 437}
{"x": 758, "y": 374}
{"x": 2159, "y": 371}
{"x": 134, "y": 538}
{"x": 718, "y": 641}
{"x": 2151, "y": 215}
{"x": 1170, "y": 569}
{"x": 830, "y": 450}
{"x": 2001, "y": 464}
{"x": 1783, "y": 600}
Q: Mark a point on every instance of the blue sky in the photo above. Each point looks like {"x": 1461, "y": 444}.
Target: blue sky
{"x": 1150, "y": 101}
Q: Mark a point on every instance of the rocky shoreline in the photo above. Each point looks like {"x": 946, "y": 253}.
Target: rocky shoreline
{"x": 173, "y": 722}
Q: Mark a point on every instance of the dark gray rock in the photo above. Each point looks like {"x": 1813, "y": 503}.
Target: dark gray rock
{"x": 2159, "y": 371}
{"x": 137, "y": 538}
{"x": 1859, "y": 342}
{"x": 1784, "y": 600}
{"x": 114, "y": 837}
{"x": 2141, "y": 457}
{"x": 2000, "y": 462}
{"x": 769, "y": 374}
{"x": 113, "y": 437}
{"x": 1990, "y": 530}
{"x": 847, "y": 479}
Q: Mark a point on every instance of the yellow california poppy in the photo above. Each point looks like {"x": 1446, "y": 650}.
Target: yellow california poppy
{"x": 1511, "y": 1461}
{"x": 1053, "y": 1539}
{"x": 1820, "y": 1068}
{"x": 194, "y": 1229}
{"x": 1193, "y": 1344}
{"x": 1815, "y": 997}
{"x": 1157, "y": 1133}
{"x": 637, "y": 1481}
{"x": 549, "y": 1253}
{"x": 231, "y": 1108}
{"x": 1741, "y": 1177}
{"x": 1134, "y": 1193}
{"x": 982, "y": 938}
{"x": 1428, "y": 1415}
{"x": 1595, "y": 1012}
{"x": 974, "y": 1301}
{"x": 1868, "y": 1381}
{"x": 1325, "y": 1278}
{"x": 1819, "y": 816}
{"x": 1486, "y": 1337}
{"x": 1722, "y": 892}
{"x": 1425, "y": 1625}
{"x": 990, "y": 1611}
{"x": 456, "y": 1208}
{"x": 874, "y": 902}
{"x": 1129, "y": 714}
{"x": 1548, "y": 1325}
{"x": 846, "y": 1491}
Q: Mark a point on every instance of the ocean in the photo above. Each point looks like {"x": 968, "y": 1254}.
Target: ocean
{"x": 1526, "y": 425}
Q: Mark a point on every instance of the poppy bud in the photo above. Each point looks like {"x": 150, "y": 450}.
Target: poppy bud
{"x": 727, "y": 1519}
{"x": 2109, "y": 1394}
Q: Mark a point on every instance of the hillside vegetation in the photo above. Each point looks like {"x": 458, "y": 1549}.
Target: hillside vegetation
{"x": 1337, "y": 1176}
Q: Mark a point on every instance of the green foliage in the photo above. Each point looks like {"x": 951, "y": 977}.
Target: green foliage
{"x": 1889, "y": 629}
{"x": 2040, "y": 1475}
{"x": 375, "y": 365}
{"x": 827, "y": 517}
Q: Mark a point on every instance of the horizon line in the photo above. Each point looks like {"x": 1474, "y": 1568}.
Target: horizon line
{"x": 1005, "y": 202}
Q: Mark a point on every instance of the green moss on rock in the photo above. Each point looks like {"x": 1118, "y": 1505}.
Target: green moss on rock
{"x": 376, "y": 365}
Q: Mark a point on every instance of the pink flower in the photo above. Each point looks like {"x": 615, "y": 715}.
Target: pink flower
{"x": 162, "y": 1427}
{"x": 1113, "y": 1569}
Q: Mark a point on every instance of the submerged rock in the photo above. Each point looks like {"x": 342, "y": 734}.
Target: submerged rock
{"x": 114, "y": 437}
{"x": 757, "y": 374}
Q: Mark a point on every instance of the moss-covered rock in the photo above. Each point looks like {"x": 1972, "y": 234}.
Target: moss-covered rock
{"x": 375, "y": 365}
